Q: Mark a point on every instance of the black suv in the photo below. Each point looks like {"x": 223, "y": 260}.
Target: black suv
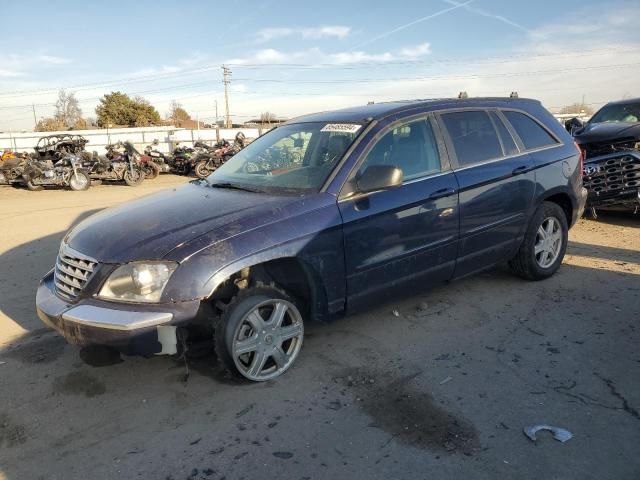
{"x": 376, "y": 201}
{"x": 610, "y": 141}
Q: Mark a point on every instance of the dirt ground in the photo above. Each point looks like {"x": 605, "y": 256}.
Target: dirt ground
{"x": 434, "y": 386}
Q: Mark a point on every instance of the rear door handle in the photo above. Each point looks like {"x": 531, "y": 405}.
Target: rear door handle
{"x": 443, "y": 192}
{"x": 520, "y": 170}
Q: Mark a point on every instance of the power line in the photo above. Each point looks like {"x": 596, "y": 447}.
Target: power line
{"x": 335, "y": 66}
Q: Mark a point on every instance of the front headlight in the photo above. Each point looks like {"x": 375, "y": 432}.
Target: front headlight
{"x": 138, "y": 282}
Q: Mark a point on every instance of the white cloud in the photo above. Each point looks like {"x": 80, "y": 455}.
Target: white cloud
{"x": 317, "y": 57}
{"x": 53, "y": 60}
{"x": 416, "y": 51}
{"x": 335, "y": 31}
{"x": 5, "y": 73}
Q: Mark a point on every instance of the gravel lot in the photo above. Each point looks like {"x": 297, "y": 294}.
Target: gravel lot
{"x": 434, "y": 386}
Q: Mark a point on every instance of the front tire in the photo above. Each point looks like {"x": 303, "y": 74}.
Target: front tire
{"x": 201, "y": 170}
{"x": 79, "y": 182}
{"x": 135, "y": 178}
{"x": 544, "y": 244}
{"x": 33, "y": 187}
{"x": 260, "y": 333}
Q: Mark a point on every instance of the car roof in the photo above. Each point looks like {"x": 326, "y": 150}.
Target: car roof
{"x": 625, "y": 101}
{"x": 377, "y": 111}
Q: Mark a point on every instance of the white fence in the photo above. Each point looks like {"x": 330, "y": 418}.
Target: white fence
{"x": 168, "y": 137}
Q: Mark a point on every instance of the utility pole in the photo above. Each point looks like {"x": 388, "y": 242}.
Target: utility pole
{"x": 35, "y": 120}
{"x": 226, "y": 71}
{"x": 216, "y": 102}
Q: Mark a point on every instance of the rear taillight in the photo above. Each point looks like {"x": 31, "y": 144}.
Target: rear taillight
{"x": 581, "y": 153}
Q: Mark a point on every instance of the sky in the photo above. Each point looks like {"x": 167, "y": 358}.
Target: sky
{"x": 290, "y": 57}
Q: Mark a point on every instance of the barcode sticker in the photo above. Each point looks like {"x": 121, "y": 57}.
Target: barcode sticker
{"x": 341, "y": 127}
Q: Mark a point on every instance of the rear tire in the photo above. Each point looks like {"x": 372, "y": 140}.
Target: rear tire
{"x": 151, "y": 171}
{"x": 544, "y": 244}
{"x": 259, "y": 335}
{"x": 133, "y": 179}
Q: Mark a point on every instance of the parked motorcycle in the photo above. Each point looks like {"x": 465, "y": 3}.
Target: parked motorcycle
{"x": 207, "y": 162}
{"x": 183, "y": 157}
{"x": 36, "y": 174}
{"x": 121, "y": 163}
{"x": 222, "y": 151}
{"x": 159, "y": 158}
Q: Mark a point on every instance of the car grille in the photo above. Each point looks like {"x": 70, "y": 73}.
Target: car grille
{"x": 72, "y": 272}
{"x": 612, "y": 175}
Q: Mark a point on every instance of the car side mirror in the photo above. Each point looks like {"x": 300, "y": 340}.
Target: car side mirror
{"x": 573, "y": 124}
{"x": 379, "y": 177}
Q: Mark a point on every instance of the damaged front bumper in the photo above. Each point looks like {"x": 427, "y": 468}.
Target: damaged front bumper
{"x": 613, "y": 181}
{"x": 132, "y": 329}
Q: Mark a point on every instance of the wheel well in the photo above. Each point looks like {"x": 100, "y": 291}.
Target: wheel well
{"x": 563, "y": 200}
{"x": 290, "y": 273}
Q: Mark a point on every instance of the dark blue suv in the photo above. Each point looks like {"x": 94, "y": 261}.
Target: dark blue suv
{"x": 321, "y": 216}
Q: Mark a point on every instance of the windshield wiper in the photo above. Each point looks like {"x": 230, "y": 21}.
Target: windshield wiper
{"x": 235, "y": 186}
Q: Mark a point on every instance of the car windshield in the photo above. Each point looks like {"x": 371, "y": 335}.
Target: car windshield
{"x": 627, "y": 113}
{"x": 294, "y": 158}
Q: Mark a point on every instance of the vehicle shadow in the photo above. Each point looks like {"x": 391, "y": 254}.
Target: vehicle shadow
{"x": 602, "y": 252}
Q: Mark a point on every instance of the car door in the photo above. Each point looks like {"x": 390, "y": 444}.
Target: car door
{"x": 497, "y": 185}
{"x": 404, "y": 236}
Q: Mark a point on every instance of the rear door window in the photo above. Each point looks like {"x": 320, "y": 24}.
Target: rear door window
{"x": 532, "y": 134}
{"x": 473, "y": 136}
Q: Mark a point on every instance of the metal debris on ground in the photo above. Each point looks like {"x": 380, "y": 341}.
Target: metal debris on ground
{"x": 559, "y": 434}
{"x": 446, "y": 380}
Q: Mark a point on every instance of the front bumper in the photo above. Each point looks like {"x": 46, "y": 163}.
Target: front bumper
{"x": 133, "y": 329}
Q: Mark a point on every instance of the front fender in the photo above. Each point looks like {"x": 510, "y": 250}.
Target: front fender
{"x": 315, "y": 239}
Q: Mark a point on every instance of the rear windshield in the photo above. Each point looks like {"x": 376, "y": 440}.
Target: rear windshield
{"x": 293, "y": 158}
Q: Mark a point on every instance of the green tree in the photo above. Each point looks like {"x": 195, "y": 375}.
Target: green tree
{"x": 118, "y": 108}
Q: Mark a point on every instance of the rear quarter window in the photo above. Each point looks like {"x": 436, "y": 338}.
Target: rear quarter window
{"x": 532, "y": 134}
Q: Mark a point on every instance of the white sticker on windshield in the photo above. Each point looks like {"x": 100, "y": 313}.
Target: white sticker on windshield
{"x": 341, "y": 127}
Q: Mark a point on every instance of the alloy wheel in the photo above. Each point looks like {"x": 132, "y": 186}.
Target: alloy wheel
{"x": 548, "y": 242}
{"x": 267, "y": 340}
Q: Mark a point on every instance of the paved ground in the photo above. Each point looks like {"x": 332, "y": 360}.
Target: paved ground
{"x": 442, "y": 390}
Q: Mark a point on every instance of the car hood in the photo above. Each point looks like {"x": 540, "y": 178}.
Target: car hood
{"x": 602, "y": 132}
{"x": 151, "y": 227}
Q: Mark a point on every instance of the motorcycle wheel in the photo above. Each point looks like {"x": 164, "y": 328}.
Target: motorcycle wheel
{"x": 202, "y": 171}
{"x": 133, "y": 179}
{"x": 33, "y": 187}
{"x": 79, "y": 182}
{"x": 151, "y": 171}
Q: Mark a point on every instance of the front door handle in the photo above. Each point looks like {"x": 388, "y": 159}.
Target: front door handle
{"x": 520, "y": 170}
{"x": 443, "y": 192}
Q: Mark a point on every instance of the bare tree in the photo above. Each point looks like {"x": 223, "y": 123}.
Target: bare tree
{"x": 267, "y": 117}
{"x": 68, "y": 111}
